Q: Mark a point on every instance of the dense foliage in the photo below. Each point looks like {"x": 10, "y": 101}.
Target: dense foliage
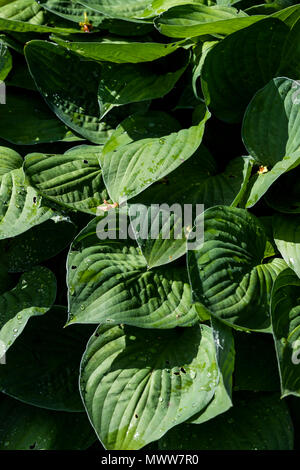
{"x": 163, "y": 102}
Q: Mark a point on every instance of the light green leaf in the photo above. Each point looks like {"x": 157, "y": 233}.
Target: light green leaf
{"x": 235, "y": 68}
{"x": 130, "y": 168}
{"x": 256, "y": 422}
{"x": 270, "y": 132}
{"x": 197, "y": 20}
{"x": 108, "y": 281}
{"x": 135, "y": 391}
{"x": 33, "y": 295}
{"x": 119, "y": 51}
{"x": 21, "y": 207}
{"x": 69, "y": 87}
{"x": 28, "y": 11}
{"x": 26, "y": 120}
{"x": 227, "y": 272}
{"x": 285, "y": 312}
{"x": 72, "y": 11}
{"x": 118, "y": 8}
{"x": 24, "y": 427}
{"x": 73, "y": 180}
{"x": 42, "y": 366}
{"x": 9, "y": 160}
{"x": 199, "y": 180}
{"x": 287, "y": 239}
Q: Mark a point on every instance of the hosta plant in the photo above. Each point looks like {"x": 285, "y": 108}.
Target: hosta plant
{"x": 149, "y": 225}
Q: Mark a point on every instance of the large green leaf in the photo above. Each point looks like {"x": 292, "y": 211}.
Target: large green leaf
{"x": 72, "y": 11}
{"x": 119, "y": 51}
{"x": 256, "y": 422}
{"x": 285, "y": 312}
{"x": 26, "y": 120}
{"x": 118, "y": 8}
{"x": 160, "y": 231}
{"x": 271, "y": 132}
{"x": 42, "y": 366}
{"x": 195, "y": 20}
{"x": 200, "y": 180}
{"x": 33, "y": 295}
{"x": 108, "y": 281}
{"x": 130, "y": 168}
{"x": 135, "y": 390}
{"x": 24, "y": 427}
{"x": 122, "y": 84}
{"x": 69, "y": 87}
{"x": 21, "y": 207}
{"x": 227, "y": 272}
{"x": 287, "y": 239}
{"x": 73, "y": 180}
{"x": 235, "y": 68}
{"x": 22, "y": 10}
{"x": 37, "y": 244}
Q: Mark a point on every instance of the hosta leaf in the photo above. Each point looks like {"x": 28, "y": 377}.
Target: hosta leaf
{"x": 118, "y": 8}
{"x": 174, "y": 220}
{"x": 227, "y": 274}
{"x": 195, "y": 20}
{"x": 25, "y": 119}
{"x": 122, "y": 84}
{"x": 270, "y": 133}
{"x": 37, "y": 244}
{"x": 72, "y": 11}
{"x": 42, "y": 366}
{"x": 108, "y": 280}
{"x": 24, "y": 427}
{"x": 284, "y": 194}
{"x": 225, "y": 355}
{"x": 228, "y": 86}
{"x": 160, "y": 231}
{"x": 129, "y": 169}
{"x": 21, "y": 207}
{"x": 289, "y": 15}
{"x": 33, "y": 295}
{"x": 135, "y": 391}
{"x": 73, "y": 180}
{"x": 255, "y": 422}
{"x": 25, "y": 27}
{"x": 199, "y": 180}
{"x": 69, "y": 87}
{"x": 287, "y": 239}
{"x": 5, "y": 61}
{"x": 119, "y": 51}
{"x": 22, "y": 10}
{"x": 285, "y": 312}
{"x": 9, "y": 160}
{"x": 256, "y": 366}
